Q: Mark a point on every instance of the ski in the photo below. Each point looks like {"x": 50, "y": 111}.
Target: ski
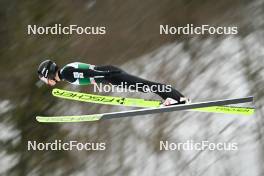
{"x": 101, "y": 99}
{"x": 133, "y": 113}
{"x": 137, "y": 102}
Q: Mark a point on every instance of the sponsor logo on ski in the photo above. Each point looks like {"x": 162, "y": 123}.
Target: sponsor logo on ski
{"x": 103, "y": 99}
{"x": 84, "y": 97}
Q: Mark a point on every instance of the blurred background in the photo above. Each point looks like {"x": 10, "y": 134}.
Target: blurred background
{"x": 203, "y": 67}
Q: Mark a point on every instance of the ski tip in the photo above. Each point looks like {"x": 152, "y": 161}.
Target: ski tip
{"x": 39, "y": 118}
{"x": 44, "y": 119}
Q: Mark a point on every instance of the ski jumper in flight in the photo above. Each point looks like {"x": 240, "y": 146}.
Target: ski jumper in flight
{"x": 84, "y": 74}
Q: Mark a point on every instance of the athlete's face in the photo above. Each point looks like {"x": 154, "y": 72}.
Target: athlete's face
{"x": 48, "y": 81}
{"x": 51, "y": 82}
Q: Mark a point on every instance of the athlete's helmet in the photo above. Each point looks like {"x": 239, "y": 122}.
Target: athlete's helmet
{"x": 47, "y": 69}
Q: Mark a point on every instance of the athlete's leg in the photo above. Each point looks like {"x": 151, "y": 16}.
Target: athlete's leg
{"x": 119, "y": 76}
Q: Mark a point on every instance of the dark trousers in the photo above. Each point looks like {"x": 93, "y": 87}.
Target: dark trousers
{"x": 117, "y": 76}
